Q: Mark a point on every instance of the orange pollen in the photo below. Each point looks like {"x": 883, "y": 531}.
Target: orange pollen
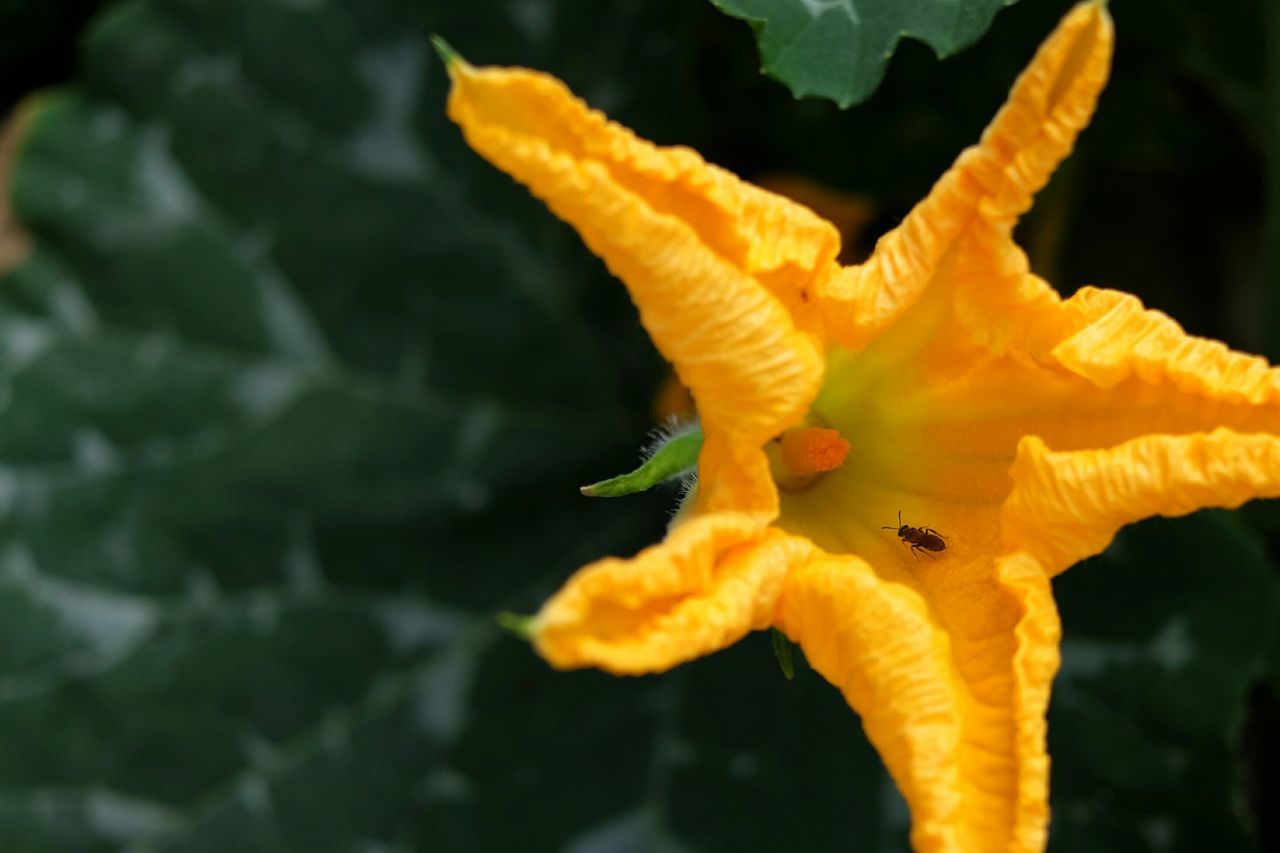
{"x": 809, "y": 451}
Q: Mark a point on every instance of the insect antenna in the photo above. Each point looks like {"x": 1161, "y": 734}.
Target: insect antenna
{"x": 887, "y": 527}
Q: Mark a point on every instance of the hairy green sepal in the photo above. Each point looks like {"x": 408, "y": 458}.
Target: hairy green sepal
{"x": 673, "y": 457}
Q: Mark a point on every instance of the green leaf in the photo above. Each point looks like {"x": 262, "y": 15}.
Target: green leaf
{"x": 1165, "y": 635}
{"x": 673, "y": 455}
{"x": 839, "y": 50}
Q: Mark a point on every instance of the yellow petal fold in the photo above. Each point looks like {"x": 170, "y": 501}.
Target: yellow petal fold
{"x": 990, "y": 185}
{"x": 692, "y": 242}
{"x": 958, "y": 720}
{"x": 1112, "y": 337}
{"x": 709, "y": 260}
{"x": 875, "y": 640}
{"x": 1067, "y": 506}
{"x": 712, "y": 580}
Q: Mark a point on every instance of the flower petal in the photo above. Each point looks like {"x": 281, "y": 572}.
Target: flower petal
{"x": 1113, "y": 337}
{"x": 705, "y": 255}
{"x": 935, "y": 411}
{"x": 957, "y": 715}
{"x": 1066, "y": 506}
{"x": 712, "y": 580}
{"x": 991, "y": 184}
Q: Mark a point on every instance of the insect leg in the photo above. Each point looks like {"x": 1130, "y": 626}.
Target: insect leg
{"x": 934, "y": 532}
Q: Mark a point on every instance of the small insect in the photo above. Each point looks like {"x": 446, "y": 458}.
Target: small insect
{"x": 924, "y": 539}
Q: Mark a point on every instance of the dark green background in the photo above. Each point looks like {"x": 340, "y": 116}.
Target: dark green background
{"x": 297, "y": 392}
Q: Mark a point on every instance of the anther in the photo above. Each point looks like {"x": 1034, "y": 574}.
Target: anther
{"x": 799, "y": 456}
{"x": 807, "y": 451}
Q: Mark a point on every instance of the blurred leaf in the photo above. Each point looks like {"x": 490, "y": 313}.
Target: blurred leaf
{"x": 839, "y": 50}
{"x": 1165, "y": 635}
{"x": 299, "y": 393}
{"x": 722, "y": 754}
{"x": 282, "y": 375}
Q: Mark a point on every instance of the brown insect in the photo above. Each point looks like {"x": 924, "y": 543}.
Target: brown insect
{"x": 924, "y": 539}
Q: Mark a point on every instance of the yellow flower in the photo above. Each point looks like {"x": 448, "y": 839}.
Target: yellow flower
{"x": 969, "y": 396}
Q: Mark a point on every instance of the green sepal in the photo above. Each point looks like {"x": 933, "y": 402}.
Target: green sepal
{"x": 521, "y": 626}
{"x": 673, "y": 456}
{"x": 782, "y": 651}
{"x": 447, "y": 54}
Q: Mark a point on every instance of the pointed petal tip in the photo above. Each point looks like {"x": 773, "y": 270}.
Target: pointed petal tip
{"x": 1049, "y": 105}
{"x": 448, "y": 55}
{"x": 695, "y": 245}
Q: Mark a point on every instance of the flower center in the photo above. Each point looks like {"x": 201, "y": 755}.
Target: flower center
{"x": 799, "y": 457}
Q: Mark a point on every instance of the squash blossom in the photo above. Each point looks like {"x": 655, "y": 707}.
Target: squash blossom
{"x": 940, "y": 378}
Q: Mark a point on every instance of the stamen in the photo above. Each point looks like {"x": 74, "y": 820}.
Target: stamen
{"x": 809, "y": 451}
